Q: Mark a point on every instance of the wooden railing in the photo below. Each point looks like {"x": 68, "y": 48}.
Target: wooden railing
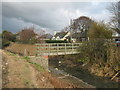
{"x": 57, "y": 48}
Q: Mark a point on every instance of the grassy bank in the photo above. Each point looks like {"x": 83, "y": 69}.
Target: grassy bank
{"x": 22, "y": 49}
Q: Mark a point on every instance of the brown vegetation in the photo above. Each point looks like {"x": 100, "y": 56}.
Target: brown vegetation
{"x": 22, "y": 48}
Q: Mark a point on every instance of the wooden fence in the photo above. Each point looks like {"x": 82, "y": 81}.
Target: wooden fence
{"x": 57, "y": 48}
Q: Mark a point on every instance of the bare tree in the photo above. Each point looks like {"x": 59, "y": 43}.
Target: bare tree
{"x": 115, "y": 20}
{"x": 82, "y": 23}
{"x": 27, "y": 35}
{"x": 41, "y": 37}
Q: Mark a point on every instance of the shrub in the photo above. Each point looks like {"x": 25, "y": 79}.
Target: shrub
{"x": 56, "y": 41}
{"x": 114, "y": 57}
{"x": 26, "y": 58}
{"x": 5, "y": 43}
{"x": 94, "y": 51}
{"x": 7, "y": 37}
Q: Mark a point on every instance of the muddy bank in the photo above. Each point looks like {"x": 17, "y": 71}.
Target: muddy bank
{"x": 69, "y": 64}
{"x": 72, "y": 79}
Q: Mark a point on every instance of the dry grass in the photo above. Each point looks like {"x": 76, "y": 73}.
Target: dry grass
{"x": 20, "y": 49}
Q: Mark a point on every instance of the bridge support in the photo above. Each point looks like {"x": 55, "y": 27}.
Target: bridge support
{"x": 42, "y": 61}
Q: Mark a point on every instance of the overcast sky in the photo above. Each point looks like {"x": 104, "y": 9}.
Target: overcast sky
{"x": 49, "y": 16}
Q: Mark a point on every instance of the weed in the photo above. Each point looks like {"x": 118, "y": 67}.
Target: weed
{"x": 11, "y": 54}
{"x": 85, "y": 59}
{"x": 26, "y": 58}
{"x": 26, "y": 82}
{"x": 38, "y": 67}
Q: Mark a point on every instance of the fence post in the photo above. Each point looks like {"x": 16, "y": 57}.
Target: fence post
{"x": 40, "y": 53}
{"x": 49, "y": 48}
{"x": 37, "y": 50}
{"x": 57, "y": 48}
{"x": 65, "y": 48}
{"x": 72, "y": 48}
{"x": 25, "y": 52}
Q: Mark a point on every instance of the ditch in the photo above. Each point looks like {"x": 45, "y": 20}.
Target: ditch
{"x": 58, "y": 67}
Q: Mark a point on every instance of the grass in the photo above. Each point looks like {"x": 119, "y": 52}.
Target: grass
{"x": 37, "y": 66}
{"x": 11, "y": 54}
{"x": 26, "y": 58}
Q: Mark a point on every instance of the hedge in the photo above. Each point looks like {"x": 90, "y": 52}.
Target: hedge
{"x": 56, "y": 41}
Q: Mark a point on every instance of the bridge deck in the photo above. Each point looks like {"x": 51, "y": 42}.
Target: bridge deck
{"x": 57, "y": 48}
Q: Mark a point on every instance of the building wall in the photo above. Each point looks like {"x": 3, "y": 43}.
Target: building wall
{"x": 58, "y": 38}
{"x": 68, "y": 34}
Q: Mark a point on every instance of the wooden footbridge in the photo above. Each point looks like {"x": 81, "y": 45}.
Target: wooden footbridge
{"x": 57, "y": 48}
{"x": 44, "y": 50}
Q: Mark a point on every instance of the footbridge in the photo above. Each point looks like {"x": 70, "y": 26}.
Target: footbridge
{"x": 44, "y": 50}
{"x": 57, "y": 48}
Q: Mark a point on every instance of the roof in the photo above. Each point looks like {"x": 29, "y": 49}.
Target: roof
{"x": 82, "y": 17}
{"x": 79, "y": 35}
{"x": 60, "y": 34}
{"x": 47, "y": 36}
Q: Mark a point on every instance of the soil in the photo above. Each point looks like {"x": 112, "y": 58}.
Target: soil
{"x": 18, "y": 73}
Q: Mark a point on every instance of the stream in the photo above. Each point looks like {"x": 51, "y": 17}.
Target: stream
{"x": 82, "y": 74}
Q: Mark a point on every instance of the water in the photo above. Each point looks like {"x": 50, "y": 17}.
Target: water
{"x": 86, "y": 76}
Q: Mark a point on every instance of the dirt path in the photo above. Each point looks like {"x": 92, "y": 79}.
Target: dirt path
{"x": 18, "y": 73}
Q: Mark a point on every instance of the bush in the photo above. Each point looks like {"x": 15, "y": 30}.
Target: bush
{"x": 114, "y": 57}
{"x": 101, "y": 53}
{"x": 8, "y": 36}
{"x": 94, "y": 51}
{"x": 56, "y": 41}
{"x": 5, "y": 43}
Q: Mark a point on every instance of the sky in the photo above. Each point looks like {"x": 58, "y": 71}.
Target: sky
{"x": 49, "y": 16}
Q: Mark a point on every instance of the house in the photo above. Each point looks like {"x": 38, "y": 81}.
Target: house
{"x": 79, "y": 36}
{"x": 47, "y": 36}
{"x": 116, "y": 36}
{"x": 70, "y": 37}
{"x": 61, "y": 35}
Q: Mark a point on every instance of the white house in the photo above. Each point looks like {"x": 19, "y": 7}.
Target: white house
{"x": 116, "y": 36}
{"x": 61, "y": 36}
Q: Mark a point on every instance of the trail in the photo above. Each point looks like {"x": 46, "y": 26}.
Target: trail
{"x": 17, "y": 73}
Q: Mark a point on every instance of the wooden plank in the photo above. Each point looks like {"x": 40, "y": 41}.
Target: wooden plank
{"x": 57, "y": 48}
